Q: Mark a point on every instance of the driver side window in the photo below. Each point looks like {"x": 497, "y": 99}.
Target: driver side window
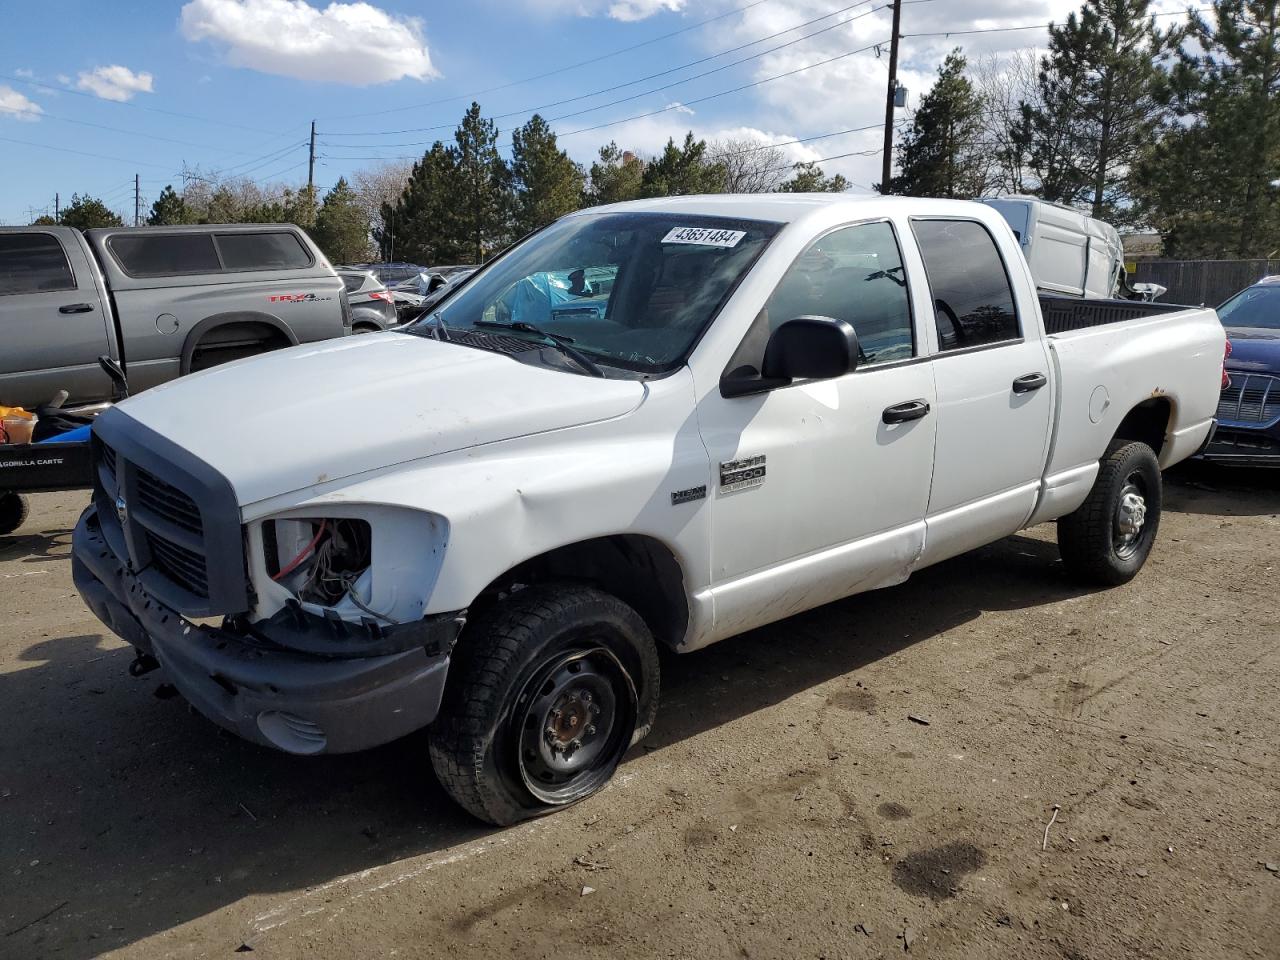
{"x": 853, "y": 274}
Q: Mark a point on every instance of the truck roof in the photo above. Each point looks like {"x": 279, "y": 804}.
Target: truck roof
{"x": 792, "y": 207}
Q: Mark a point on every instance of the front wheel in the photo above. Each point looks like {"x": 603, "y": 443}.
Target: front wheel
{"x": 1108, "y": 538}
{"x": 13, "y": 511}
{"x": 545, "y": 695}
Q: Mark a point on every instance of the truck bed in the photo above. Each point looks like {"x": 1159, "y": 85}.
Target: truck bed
{"x": 1063, "y": 314}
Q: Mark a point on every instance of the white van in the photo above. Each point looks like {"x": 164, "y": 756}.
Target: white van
{"x": 1070, "y": 253}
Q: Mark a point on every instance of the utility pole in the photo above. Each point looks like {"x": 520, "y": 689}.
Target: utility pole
{"x": 137, "y": 201}
{"x": 890, "y": 100}
{"x": 311, "y": 161}
{"x": 57, "y": 206}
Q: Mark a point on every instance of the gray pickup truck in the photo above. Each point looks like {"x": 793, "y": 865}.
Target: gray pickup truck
{"x": 163, "y": 301}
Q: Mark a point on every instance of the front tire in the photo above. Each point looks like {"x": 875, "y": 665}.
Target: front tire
{"x": 545, "y": 695}
{"x": 13, "y": 511}
{"x": 1109, "y": 537}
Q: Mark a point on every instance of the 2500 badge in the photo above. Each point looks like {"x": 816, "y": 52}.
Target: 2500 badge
{"x": 741, "y": 474}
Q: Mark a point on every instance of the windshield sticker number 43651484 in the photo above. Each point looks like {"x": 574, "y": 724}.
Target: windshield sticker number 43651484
{"x": 705, "y": 236}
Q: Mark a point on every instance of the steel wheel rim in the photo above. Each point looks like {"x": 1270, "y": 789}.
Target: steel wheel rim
{"x": 572, "y": 723}
{"x": 1130, "y": 523}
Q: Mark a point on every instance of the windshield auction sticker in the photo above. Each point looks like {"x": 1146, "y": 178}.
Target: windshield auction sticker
{"x": 705, "y": 237}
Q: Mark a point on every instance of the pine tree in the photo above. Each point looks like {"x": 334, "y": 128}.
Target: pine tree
{"x": 482, "y": 184}
{"x": 420, "y": 226}
{"x": 683, "y": 170}
{"x": 615, "y": 177}
{"x": 341, "y": 229}
{"x": 942, "y": 154}
{"x": 1209, "y": 184}
{"x": 809, "y": 178}
{"x": 548, "y": 184}
{"x": 168, "y": 209}
{"x": 1097, "y": 109}
{"x": 86, "y": 212}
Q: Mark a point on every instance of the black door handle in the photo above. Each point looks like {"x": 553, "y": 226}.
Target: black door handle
{"x": 1030, "y": 382}
{"x": 76, "y": 308}
{"x": 902, "y": 412}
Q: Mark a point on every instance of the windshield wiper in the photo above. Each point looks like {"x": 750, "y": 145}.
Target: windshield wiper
{"x": 441, "y": 331}
{"x": 562, "y": 343}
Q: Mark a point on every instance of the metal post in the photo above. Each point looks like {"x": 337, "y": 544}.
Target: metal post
{"x": 887, "y": 167}
{"x": 137, "y": 201}
{"x": 57, "y": 206}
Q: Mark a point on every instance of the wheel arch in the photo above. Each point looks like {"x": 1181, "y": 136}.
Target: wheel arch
{"x": 638, "y": 569}
{"x": 270, "y": 325}
{"x": 1148, "y": 422}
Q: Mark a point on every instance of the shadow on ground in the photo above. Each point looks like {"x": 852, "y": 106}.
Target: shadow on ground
{"x": 1206, "y": 488}
{"x": 125, "y": 814}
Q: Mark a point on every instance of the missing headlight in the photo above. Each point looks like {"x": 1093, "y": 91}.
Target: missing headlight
{"x": 318, "y": 559}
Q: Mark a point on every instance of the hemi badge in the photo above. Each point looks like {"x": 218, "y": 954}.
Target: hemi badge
{"x": 688, "y": 496}
{"x": 742, "y": 474}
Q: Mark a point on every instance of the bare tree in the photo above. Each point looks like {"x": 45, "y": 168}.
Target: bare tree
{"x": 751, "y": 166}
{"x": 1005, "y": 83}
{"x": 380, "y": 185}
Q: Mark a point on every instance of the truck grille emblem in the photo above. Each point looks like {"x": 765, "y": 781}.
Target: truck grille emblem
{"x": 122, "y": 511}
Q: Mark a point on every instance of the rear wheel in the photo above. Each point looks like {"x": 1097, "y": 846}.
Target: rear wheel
{"x": 545, "y": 695}
{"x": 1108, "y": 539}
{"x": 13, "y": 511}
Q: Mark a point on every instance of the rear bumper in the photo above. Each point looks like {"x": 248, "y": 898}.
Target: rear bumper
{"x": 273, "y": 696}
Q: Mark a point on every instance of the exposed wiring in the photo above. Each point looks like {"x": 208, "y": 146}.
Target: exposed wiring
{"x": 296, "y": 562}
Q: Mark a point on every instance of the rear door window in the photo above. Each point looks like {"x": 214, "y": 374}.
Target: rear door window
{"x": 262, "y": 251}
{"x": 972, "y": 297}
{"x": 33, "y": 263}
{"x": 165, "y": 255}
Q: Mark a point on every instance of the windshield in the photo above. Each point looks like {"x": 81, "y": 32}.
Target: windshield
{"x": 630, "y": 290}
{"x": 1257, "y": 307}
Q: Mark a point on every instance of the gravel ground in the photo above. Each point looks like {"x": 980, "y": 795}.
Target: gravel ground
{"x": 786, "y": 805}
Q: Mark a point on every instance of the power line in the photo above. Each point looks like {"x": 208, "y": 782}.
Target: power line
{"x": 83, "y": 153}
{"x": 557, "y": 71}
{"x": 674, "y": 106}
{"x": 137, "y": 133}
{"x": 130, "y": 103}
{"x": 631, "y": 83}
{"x": 1035, "y": 26}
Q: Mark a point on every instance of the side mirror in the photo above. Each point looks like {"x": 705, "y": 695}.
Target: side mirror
{"x": 810, "y": 348}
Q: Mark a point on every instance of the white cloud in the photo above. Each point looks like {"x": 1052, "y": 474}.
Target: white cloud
{"x": 352, "y": 43}
{"x": 625, "y": 10}
{"x": 642, "y": 9}
{"x": 24, "y": 72}
{"x": 63, "y": 79}
{"x": 18, "y": 106}
{"x": 114, "y": 82}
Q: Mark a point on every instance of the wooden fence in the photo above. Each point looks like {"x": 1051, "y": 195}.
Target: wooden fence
{"x": 1206, "y": 282}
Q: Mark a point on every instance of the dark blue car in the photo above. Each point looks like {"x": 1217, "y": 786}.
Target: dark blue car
{"x": 1249, "y": 411}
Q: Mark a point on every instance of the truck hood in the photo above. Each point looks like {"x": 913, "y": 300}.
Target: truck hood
{"x": 1254, "y": 350}
{"x": 312, "y": 414}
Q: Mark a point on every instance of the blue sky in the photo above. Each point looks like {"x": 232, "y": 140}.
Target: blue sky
{"x": 93, "y": 92}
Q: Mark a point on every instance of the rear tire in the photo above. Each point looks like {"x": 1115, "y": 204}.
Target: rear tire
{"x": 1108, "y": 539}
{"x": 14, "y": 510}
{"x": 545, "y": 695}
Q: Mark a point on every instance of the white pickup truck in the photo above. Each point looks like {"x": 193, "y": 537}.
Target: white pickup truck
{"x": 661, "y": 422}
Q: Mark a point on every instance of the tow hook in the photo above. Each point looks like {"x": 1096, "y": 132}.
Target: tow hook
{"x": 142, "y": 664}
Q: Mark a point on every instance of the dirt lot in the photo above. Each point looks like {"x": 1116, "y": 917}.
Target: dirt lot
{"x": 786, "y": 806}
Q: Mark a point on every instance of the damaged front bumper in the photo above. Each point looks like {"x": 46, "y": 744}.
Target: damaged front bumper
{"x": 376, "y": 685}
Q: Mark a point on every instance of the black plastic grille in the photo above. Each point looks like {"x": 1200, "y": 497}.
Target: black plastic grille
{"x": 168, "y": 502}
{"x": 108, "y": 457}
{"x": 1251, "y": 398}
{"x": 184, "y": 567}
